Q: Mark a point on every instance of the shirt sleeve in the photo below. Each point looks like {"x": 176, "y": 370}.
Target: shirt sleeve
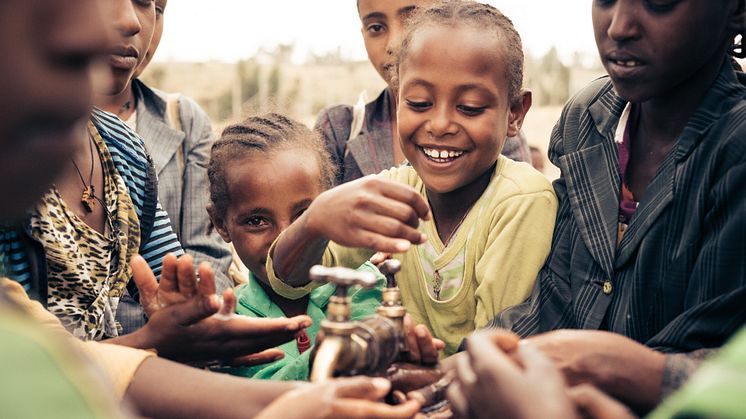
{"x": 517, "y": 246}
{"x": 334, "y": 255}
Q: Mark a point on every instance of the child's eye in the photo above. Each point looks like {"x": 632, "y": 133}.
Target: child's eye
{"x": 418, "y": 106}
{"x": 158, "y": 11}
{"x": 255, "y": 222}
{"x": 375, "y": 28}
{"x": 471, "y": 110}
{"x": 145, "y": 3}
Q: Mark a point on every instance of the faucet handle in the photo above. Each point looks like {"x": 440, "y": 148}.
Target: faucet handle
{"x": 343, "y": 277}
{"x": 390, "y": 268}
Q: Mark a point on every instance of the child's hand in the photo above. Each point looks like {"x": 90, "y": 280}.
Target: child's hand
{"x": 370, "y": 212}
{"x": 423, "y": 347}
{"x": 188, "y": 322}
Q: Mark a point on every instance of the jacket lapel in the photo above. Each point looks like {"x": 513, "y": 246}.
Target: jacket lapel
{"x": 372, "y": 149}
{"x": 160, "y": 139}
{"x": 660, "y": 192}
{"x": 593, "y": 182}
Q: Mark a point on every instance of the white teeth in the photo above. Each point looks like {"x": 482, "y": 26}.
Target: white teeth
{"x": 442, "y": 154}
{"x": 628, "y": 63}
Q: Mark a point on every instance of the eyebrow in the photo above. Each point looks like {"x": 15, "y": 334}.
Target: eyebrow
{"x": 419, "y": 82}
{"x": 406, "y": 10}
{"x": 301, "y": 204}
{"x": 403, "y": 11}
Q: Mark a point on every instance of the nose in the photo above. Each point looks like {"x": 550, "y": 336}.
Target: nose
{"x": 393, "y": 43}
{"x": 441, "y": 123}
{"x": 624, "y": 23}
{"x": 124, "y": 18}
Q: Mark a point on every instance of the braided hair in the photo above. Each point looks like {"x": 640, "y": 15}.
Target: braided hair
{"x": 477, "y": 15}
{"x": 262, "y": 134}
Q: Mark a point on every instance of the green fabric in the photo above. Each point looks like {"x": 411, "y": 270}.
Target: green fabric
{"x": 717, "y": 389}
{"x": 42, "y": 379}
{"x": 253, "y": 301}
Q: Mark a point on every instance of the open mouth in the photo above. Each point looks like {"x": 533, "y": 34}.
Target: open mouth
{"x": 441, "y": 155}
{"x": 626, "y": 63}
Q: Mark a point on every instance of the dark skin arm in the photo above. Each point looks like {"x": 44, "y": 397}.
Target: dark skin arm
{"x": 619, "y": 366}
{"x": 371, "y": 212}
{"x": 164, "y": 389}
{"x": 189, "y": 323}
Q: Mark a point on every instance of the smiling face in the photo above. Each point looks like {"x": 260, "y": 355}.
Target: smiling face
{"x": 454, "y": 113}
{"x": 133, "y": 22}
{"x": 650, "y": 47}
{"x": 45, "y": 91}
{"x": 267, "y": 193}
{"x": 383, "y": 28}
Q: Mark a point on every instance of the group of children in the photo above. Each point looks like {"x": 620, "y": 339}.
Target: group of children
{"x": 648, "y": 210}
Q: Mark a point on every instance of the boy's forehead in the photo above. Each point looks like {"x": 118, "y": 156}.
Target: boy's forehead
{"x": 389, "y": 8}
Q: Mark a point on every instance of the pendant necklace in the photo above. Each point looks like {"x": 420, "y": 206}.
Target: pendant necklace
{"x": 88, "y": 198}
{"x": 437, "y": 279}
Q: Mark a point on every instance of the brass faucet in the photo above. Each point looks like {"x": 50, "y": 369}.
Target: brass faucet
{"x": 349, "y": 347}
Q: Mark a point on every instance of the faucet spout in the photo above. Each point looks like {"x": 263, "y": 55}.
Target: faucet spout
{"x": 327, "y": 359}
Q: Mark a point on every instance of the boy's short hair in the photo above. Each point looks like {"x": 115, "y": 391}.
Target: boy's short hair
{"x": 478, "y": 15}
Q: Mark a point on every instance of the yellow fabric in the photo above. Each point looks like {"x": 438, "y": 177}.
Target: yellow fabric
{"x": 508, "y": 244}
{"x": 119, "y": 363}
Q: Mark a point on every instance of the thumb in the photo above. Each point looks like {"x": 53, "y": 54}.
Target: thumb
{"x": 194, "y": 310}
{"x": 146, "y": 283}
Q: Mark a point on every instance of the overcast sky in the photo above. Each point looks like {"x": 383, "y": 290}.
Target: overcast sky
{"x": 228, "y": 30}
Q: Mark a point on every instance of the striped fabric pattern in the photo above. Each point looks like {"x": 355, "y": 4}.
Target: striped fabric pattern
{"x": 128, "y": 152}
{"x": 677, "y": 280}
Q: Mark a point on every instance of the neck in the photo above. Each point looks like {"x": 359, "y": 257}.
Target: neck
{"x": 450, "y": 208}
{"x": 666, "y": 115}
{"x": 121, "y": 104}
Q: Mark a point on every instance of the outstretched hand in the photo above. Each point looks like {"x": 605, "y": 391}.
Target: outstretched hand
{"x": 189, "y": 323}
{"x": 423, "y": 347}
{"x": 357, "y": 397}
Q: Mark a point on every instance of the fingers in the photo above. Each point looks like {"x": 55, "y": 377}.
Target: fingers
{"x": 186, "y": 276}
{"x": 168, "y": 274}
{"x": 504, "y": 339}
{"x": 359, "y": 409}
{"x": 146, "y": 284}
{"x": 194, "y": 310}
{"x": 206, "y": 285}
{"x": 229, "y": 303}
{"x": 379, "y": 258}
{"x": 388, "y": 227}
{"x": 412, "y": 344}
{"x": 593, "y": 403}
{"x": 378, "y": 242}
{"x": 363, "y": 388}
{"x": 458, "y": 400}
{"x": 264, "y": 357}
{"x": 406, "y": 195}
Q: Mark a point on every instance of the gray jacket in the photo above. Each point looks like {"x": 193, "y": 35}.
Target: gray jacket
{"x": 183, "y": 196}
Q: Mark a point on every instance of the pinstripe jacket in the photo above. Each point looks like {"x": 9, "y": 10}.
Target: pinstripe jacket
{"x": 677, "y": 280}
{"x": 183, "y": 189}
{"x": 25, "y": 258}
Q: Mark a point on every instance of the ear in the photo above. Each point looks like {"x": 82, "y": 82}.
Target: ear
{"x": 219, "y": 223}
{"x": 518, "y": 110}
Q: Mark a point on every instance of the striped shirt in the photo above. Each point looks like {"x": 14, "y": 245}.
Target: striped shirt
{"x": 133, "y": 164}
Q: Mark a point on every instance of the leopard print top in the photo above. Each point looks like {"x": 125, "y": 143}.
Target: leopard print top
{"x": 88, "y": 271}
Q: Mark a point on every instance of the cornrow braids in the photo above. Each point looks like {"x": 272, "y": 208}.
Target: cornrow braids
{"x": 477, "y": 15}
{"x": 262, "y": 134}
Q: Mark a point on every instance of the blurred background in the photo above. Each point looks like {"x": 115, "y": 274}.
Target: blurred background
{"x": 298, "y": 56}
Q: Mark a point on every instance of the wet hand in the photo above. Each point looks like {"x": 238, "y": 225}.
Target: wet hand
{"x": 357, "y": 397}
{"x": 371, "y": 212}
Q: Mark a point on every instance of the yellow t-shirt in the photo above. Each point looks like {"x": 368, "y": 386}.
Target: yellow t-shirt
{"x": 502, "y": 243}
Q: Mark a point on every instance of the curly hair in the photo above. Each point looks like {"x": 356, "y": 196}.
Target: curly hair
{"x": 262, "y": 134}
{"x": 476, "y": 15}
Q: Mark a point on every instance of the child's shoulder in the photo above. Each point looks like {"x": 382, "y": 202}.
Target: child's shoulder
{"x": 519, "y": 179}
{"x": 404, "y": 173}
